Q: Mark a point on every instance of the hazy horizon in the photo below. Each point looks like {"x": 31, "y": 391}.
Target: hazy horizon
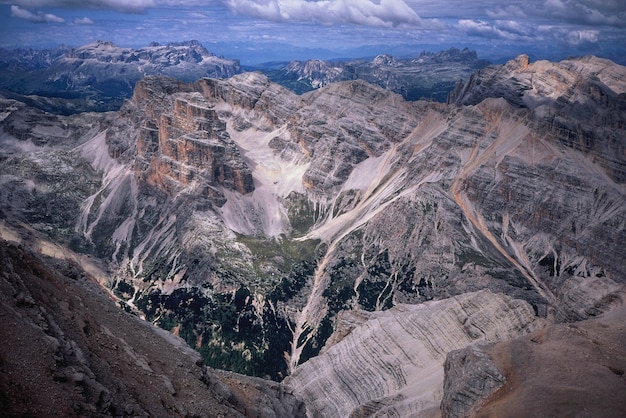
{"x": 258, "y": 31}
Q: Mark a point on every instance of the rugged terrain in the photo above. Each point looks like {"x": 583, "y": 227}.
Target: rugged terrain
{"x": 267, "y": 228}
{"x": 100, "y": 76}
{"x": 561, "y": 370}
{"x": 68, "y": 350}
{"x": 428, "y": 76}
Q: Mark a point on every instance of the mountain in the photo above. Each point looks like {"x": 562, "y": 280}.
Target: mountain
{"x": 560, "y": 370}
{"x": 68, "y": 350}
{"x": 344, "y": 229}
{"x": 100, "y": 76}
{"x": 430, "y": 75}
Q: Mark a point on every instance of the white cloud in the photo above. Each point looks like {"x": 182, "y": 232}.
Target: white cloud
{"x": 508, "y": 12}
{"x": 583, "y": 36}
{"x": 84, "y": 21}
{"x": 384, "y": 13}
{"x": 38, "y": 17}
{"x": 509, "y": 30}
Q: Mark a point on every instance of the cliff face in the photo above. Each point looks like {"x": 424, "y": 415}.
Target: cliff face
{"x": 182, "y": 142}
{"x": 248, "y": 219}
{"x": 578, "y": 102}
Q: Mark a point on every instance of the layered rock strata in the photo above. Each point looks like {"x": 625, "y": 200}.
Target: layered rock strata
{"x": 391, "y": 362}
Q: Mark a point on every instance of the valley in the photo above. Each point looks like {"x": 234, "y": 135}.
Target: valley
{"x": 344, "y": 241}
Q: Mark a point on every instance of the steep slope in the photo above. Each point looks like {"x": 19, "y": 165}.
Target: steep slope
{"x": 68, "y": 350}
{"x": 391, "y": 362}
{"x": 562, "y": 370}
{"x": 246, "y": 218}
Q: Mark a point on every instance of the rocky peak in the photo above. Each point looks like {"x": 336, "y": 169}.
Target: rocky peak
{"x": 183, "y": 143}
{"x": 520, "y": 63}
{"x": 384, "y": 60}
{"x": 580, "y": 101}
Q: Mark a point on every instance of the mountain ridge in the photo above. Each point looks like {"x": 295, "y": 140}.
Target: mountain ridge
{"x": 354, "y": 200}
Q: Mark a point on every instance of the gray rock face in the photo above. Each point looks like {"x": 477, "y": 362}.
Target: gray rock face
{"x": 391, "y": 364}
{"x": 470, "y": 378}
{"x": 561, "y": 370}
{"x": 247, "y": 219}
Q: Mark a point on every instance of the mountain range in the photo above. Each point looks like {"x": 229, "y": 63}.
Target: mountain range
{"x": 100, "y": 76}
{"x": 377, "y": 256}
{"x": 430, "y": 75}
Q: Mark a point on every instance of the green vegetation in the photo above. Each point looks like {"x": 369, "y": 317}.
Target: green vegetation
{"x": 274, "y": 259}
{"x": 301, "y": 213}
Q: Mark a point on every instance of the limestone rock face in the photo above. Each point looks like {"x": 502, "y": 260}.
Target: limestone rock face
{"x": 182, "y": 142}
{"x": 579, "y": 102}
{"x": 254, "y": 222}
{"x": 392, "y": 363}
{"x": 470, "y": 378}
{"x": 561, "y": 370}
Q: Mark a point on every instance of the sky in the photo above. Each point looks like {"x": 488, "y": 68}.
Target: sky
{"x": 257, "y": 31}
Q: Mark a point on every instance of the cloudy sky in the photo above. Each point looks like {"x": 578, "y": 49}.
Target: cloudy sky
{"x": 257, "y": 31}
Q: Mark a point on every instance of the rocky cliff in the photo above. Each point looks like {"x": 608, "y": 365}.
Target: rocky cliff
{"x": 391, "y": 362}
{"x": 248, "y": 219}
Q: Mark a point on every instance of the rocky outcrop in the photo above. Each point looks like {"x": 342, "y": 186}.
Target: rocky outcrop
{"x": 182, "y": 142}
{"x": 562, "y": 370}
{"x": 579, "y": 102}
{"x": 471, "y": 377}
{"x": 68, "y": 350}
{"x": 392, "y": 362}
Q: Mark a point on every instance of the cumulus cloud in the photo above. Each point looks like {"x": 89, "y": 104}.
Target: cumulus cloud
{"x": 583, "y": 36}
{"x": 512, "y": 11}
{"x": 83, "y": 21}
{"x": 383, "y": 13}
{"x": 38, "y": 17}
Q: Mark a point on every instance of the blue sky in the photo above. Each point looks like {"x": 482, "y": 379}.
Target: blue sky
{"x": 255, "y": 31}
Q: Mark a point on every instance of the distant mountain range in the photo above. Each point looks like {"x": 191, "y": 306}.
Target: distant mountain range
{"x": 100, "y": 76}
{"x": 430, "y": 75}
